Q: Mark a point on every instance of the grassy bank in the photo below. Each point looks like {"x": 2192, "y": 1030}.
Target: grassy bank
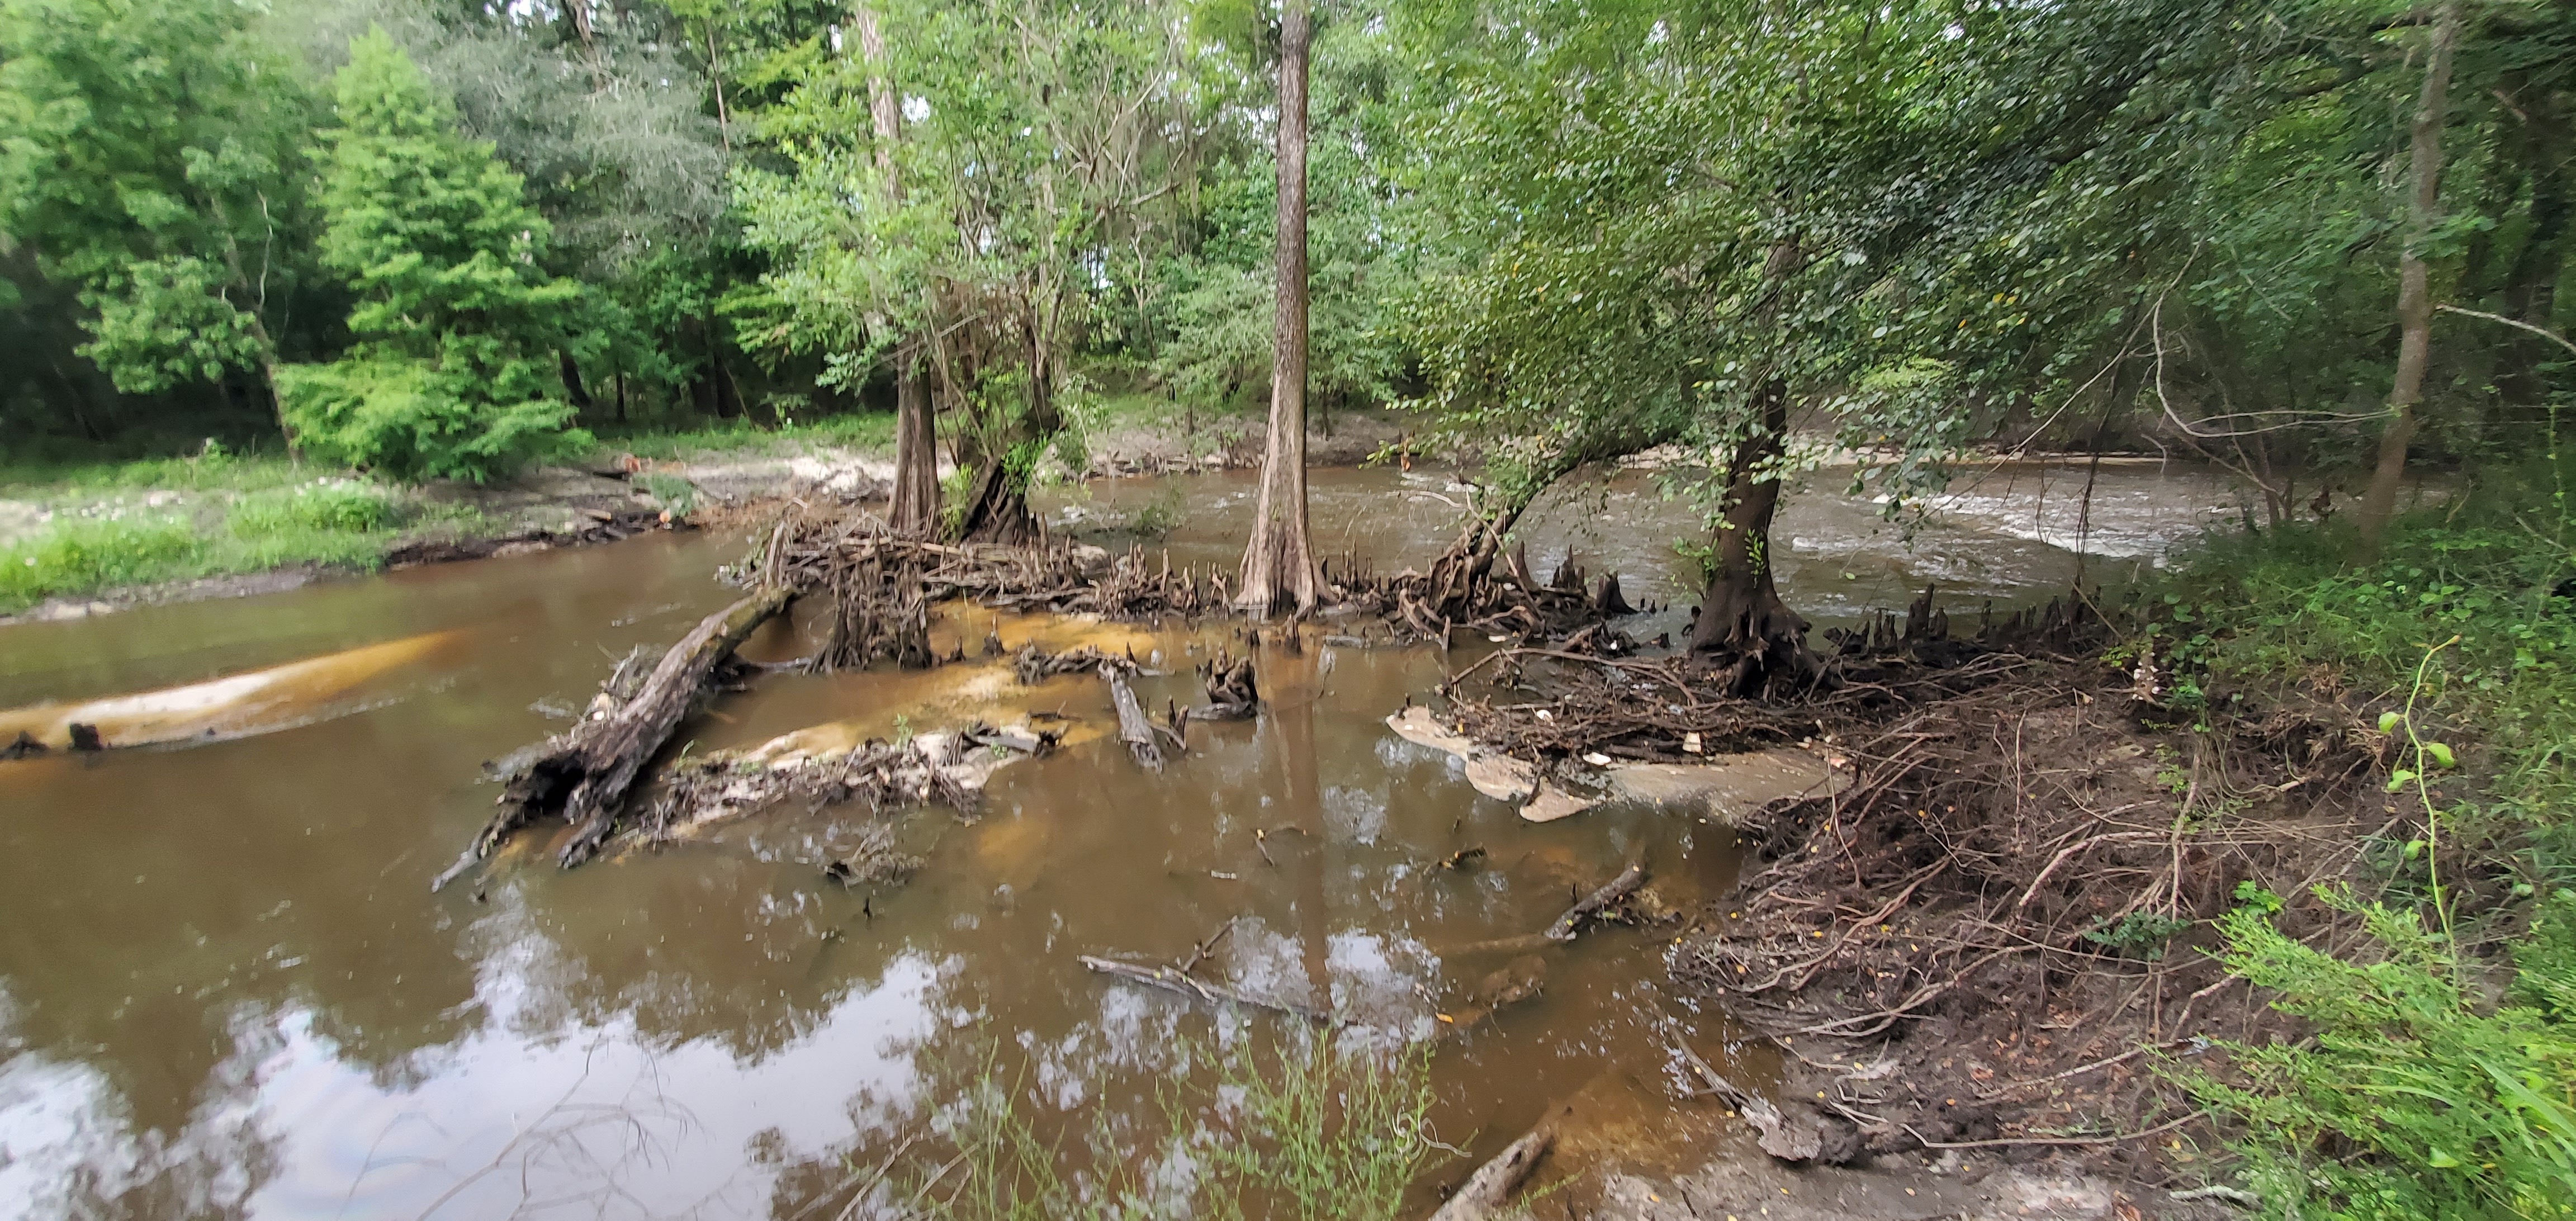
{"x": 2438, "y": 1075}
{"x": 84, "y": 529}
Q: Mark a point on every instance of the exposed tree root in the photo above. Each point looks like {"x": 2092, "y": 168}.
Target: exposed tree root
{"x": 1978, "y": 942}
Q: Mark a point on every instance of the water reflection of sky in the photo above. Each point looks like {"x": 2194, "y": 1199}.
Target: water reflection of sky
{"x": 604, "y": 1119}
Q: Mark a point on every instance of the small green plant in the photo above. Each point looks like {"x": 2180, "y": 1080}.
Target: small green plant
{"x": 1158, "y": 518}
{"x": 1301, "y": 1129}
{"x": 2139, "y": 935}
{"x": 2171, "y": 775}
{"x": 1702, "y": 558}
{"x": 2409, "y": 1101}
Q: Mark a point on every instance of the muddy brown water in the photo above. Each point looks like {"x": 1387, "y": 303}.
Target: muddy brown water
{"x": 225, "y": 989}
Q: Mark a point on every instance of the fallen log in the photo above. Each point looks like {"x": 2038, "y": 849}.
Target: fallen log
{"x": 585, "y": 773}
{"x": 1197, "y": 989}
{"x": 1599, "y": 901}
{"x": 1486, "y": 1192}
{"x": 1134, "y": 727}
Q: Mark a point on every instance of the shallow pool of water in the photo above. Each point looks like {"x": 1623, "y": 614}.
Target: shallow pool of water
{"x": 225, "y": 988}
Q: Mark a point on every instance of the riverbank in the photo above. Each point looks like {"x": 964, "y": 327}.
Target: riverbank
{"x": 92, "y": 540}
{"x": 2258, "y": 892}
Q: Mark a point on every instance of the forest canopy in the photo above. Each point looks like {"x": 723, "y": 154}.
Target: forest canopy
{"x": 432, "y": 239}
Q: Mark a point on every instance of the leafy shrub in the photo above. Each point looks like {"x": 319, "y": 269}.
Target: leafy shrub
{"x": 410, "y": 420}
{"x": 79, "y": 556}
{"x": 2409, "y": 1102}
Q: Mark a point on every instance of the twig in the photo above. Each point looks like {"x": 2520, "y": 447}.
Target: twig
{"x": 2001, "y": 1142}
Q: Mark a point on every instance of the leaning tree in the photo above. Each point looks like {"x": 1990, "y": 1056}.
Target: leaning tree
{"x": 1695, "y": 223}
{"x": 1037, "y": 138}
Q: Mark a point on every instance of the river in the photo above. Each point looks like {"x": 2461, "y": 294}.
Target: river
{"x": 226, "y": 989}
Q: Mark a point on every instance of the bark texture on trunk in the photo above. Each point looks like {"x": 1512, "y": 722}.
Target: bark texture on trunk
{"x": 2531, "y": 287}
{"x": 915, "y": 511}
{"x": 2414, "y": 292}
{"x": 995, "y": 511}
{"x": 1279, "y": 562}
{"x": 1741, "y": 614}
{"x": 573, "y": 389}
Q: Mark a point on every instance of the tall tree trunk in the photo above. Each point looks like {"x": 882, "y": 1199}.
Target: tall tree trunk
{"x": 2531, "y": 286}
{"x": 1741, "y": 614}
{"x": 915, "y": 511}
{"x": 1279, "y": 563}
{"x": 2414, "y": 292}
{"x": 578, "y": 393}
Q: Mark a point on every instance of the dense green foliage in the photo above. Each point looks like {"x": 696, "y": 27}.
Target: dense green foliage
{"x": 455, "y": 319}
{"x": 2462, "y": 1110}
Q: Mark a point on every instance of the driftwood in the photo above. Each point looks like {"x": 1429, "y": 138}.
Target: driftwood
{"x": 1134, "y": 727}
{"x": 1035, "y": 665}
{"x": 585, "y": 773}
{"x": 1780, "y": 1136}
{"x": 1593, "y": 905}
{"x": 1567, "y": 927}
{"x": 1171, "y": 980}
{"x": 1486, "y": 1192}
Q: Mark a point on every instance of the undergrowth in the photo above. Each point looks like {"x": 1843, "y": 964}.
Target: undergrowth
{"x": 345, "y": 524}
{"x": 2454, "y": 1109}
{"x": 2491, "y": 591}
{"x": 2438, "y": 1078}
{"x": 1309, "y": 1129}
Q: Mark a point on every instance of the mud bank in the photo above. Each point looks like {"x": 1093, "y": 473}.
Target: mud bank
{"x": 1994, "y": 941}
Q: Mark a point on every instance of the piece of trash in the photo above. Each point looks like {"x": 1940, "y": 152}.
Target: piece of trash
{"x": 1223, "y": 877}
{"x": 1597, "y": 759}
{"x": 1690, "y": 743}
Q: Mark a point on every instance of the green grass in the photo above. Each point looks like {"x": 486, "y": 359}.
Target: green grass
{"x": 1301, "y": 1129}
{"x": 215, "y": 471}
{"x": 345, "y": 524}
{"x": 81, "y": 556}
